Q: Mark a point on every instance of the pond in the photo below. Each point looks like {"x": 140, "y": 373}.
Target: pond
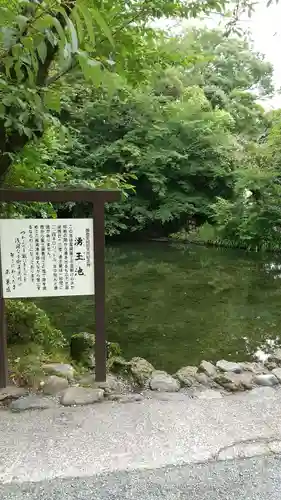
{"x": 176, "y": 304}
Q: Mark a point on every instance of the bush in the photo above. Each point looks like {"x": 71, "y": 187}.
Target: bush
{"x": 25, "y": 364}
{"x": 27, "y": 323}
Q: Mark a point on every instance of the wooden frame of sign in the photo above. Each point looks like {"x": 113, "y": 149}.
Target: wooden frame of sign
{"x": 97, "y": 198}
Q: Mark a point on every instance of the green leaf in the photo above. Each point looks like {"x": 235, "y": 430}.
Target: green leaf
{"x": 22, "y": 21}
{"x": 52, "y": 100}
{"x": 60, "y": 31}
{"x": 79, "y": 25}
{"x": 103, "y": 26}
{"x": 88, "y": 21}
{"x": 7, "y": 15}
{"x": 91, "y": 68}
{"x": 18, "y": 71}
{"x": 42, "y": 51}
{"x": 28, "y": 132}
{"x": 63, "y": 134}
{"x": 73, "y": 35}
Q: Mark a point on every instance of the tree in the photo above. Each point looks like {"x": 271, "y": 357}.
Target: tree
{"x": 179, "y": 152}
{"x": 182, "y": 132}
{"x": 232, "y": 74}
{"x": 42, "y": 40}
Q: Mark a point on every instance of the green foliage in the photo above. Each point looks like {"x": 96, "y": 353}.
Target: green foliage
{"x": 25, "y": 363}
{"x": 253, "y": 218}
{"x": 40, "y": 42}
{"x": 231, "y": 73}
{"x": 178, "y": 151}
{"x": 27, "y": 323}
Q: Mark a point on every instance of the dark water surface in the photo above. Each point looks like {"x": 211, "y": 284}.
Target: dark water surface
{"x": 176, "y": 305}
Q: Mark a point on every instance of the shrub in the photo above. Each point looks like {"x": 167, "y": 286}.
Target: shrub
{"x": 25, "y": 364}
{"x": 28, "y": 323}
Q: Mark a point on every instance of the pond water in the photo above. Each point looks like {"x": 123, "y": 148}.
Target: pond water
{"x": 177, "y": 304}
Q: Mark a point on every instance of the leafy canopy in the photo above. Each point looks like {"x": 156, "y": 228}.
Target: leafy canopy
{"x": 40, "y": 41}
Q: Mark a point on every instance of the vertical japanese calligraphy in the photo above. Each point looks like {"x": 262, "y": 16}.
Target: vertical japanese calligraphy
{"x": 44, "y": 258}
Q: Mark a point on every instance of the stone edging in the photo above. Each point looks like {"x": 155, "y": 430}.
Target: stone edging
{"x": 137, "y": 379}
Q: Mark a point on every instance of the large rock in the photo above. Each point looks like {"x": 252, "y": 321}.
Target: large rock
{"x": 186, "y": 375}
{"x": 162, "y": 381}
{"x": 275, "y": 357}
{"x": 257, "y": 368}
{"x": 235, "y": 381}
{"x": 277, "y": 373}
{"x": 32, "y": 402}
{"x": 54, "y": 385}
{"x": 203, "y": 379}
{"x": 141, "y": 370}
{"x": 208, "y": 368}
{"x": 270, "y": 365}
{"x": 82, "y": 349}
{"x": 113, "y": 383}
{"x": 60, "y": 369}
{"x": 81, "y": 396}
{"x": 267, "y": 379}
{"x": 117, "y": 364}
{"x": 228, "y": 366}
{"x": 12, "y": 392}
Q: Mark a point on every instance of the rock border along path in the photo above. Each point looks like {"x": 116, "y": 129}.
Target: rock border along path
{"x": 208, "y": 381}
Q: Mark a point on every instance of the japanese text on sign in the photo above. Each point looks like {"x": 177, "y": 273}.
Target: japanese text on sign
{"x": 46, "y": 257}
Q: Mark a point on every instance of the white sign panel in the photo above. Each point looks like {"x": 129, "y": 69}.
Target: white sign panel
{"x": 47, "y": 257}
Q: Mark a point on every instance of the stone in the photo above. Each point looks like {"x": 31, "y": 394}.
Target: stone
{"x": 275, "y": 357}
{"x": 141, "y": 370}
{"x": 257, "y": 368}
{"x": 12, "y": 392}
{"x": 228, "y": 366}
{"x": 113, "y": 383}
{"x": 60, "y": 369}
{"x": 81, "y": 396}
{"x": 270, "y": 365}
{"x": 208, "y": 368}
{"x": 208, "y": 394}
{"x": 162, "y": 381}
{"x": 117, "y": 364}
{"x": 235, "y": 381}
{"x": 32, "y": 402}
{"x": 267, "y": 379}
{"x": 247, "y": 380}
{"x": 203, "y": 379}
{"x": 277, "y": 373}
{"x": 186, "y": 375}
{"x": 82, "y": 349}
{"x": 54, "y": 385}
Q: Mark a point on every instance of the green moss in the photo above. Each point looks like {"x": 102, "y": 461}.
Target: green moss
{"x": 82, "y": 348}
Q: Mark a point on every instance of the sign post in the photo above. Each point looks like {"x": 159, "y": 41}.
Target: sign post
{"x": 54, "y": 257}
